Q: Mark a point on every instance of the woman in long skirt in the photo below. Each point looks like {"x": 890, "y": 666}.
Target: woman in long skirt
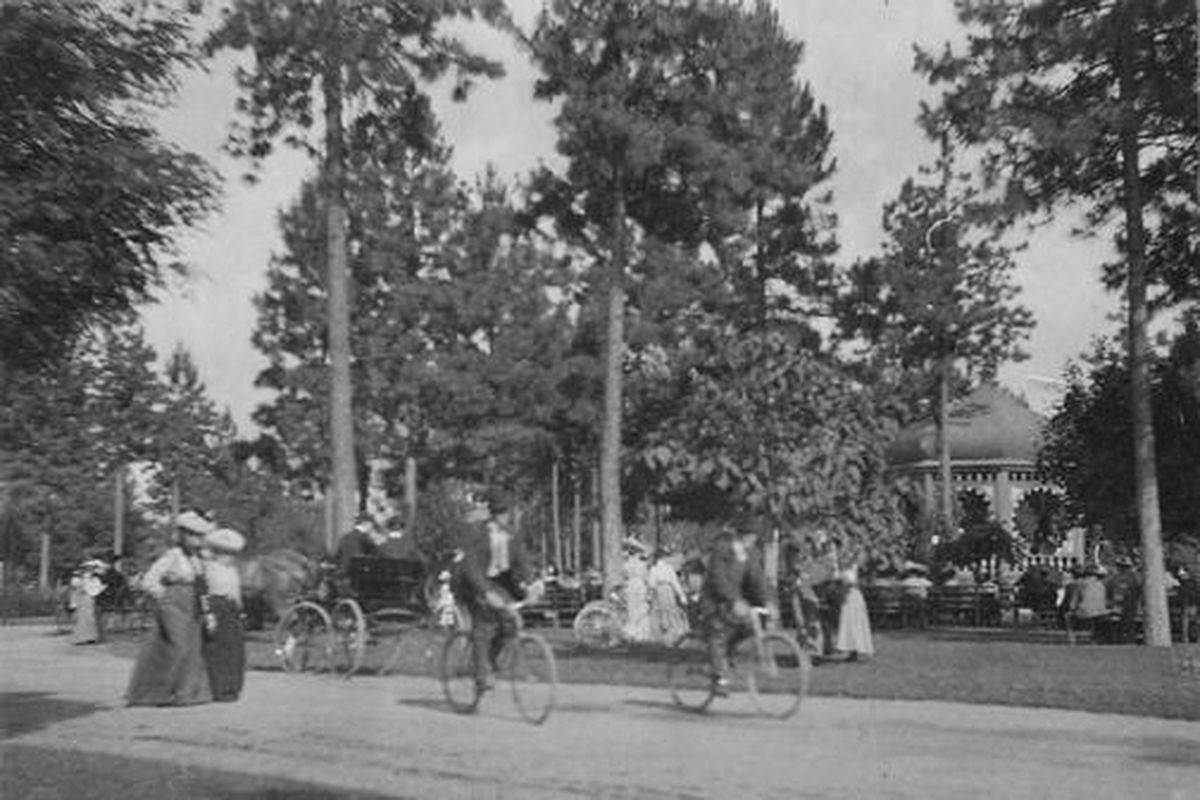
{"x": 854, "y": 625}
{"x": 85, "y": 587}
{"x": 667, "y": 600}
{"x": 225, "y": 644}
{"x": 170, "y": 667}
{"x": 637, "y": 594}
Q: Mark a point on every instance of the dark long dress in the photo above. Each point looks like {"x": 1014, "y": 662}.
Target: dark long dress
{"x": 225, "y": 650}
{"x": 170, "y": 667}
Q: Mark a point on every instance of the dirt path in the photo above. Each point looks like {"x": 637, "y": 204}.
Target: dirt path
{"x": 379, "y": 737}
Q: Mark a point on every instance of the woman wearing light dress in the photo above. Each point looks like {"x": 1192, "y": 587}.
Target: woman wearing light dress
{"x": 637, "y": 593}
{"x": 669, "y": 621}
{"x": 854, "y": 626}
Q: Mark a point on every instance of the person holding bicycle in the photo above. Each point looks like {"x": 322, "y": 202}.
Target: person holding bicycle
{"x": 490, "y": 573}
{"x": 734, "y": 585}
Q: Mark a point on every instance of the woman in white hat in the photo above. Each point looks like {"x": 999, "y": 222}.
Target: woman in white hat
{"x": 170, "y": 668}
{"x": 225, "y": 644}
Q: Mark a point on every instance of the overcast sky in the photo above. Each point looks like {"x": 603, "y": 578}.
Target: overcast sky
{"x": 858, "y": 58}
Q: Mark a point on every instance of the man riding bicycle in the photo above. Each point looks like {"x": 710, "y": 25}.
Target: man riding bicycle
{"x": 733, "y": 586}
{"x": 489, "y": 575}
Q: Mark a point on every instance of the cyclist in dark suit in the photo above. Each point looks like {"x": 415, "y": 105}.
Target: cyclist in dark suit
{"x": 733, "y": 585}
{"x": 489, "y": 574}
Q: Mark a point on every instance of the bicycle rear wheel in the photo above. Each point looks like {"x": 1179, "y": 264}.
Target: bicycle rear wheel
{"x": 303, "y": 638}
{"x": 533, "y": 675}
{"x": 349, "y": 635}
{"x": 456, "y": 670}
{"x": 689, "y": 674}
{"x": 597, "y": 625}
{"x": 778, "y": 680}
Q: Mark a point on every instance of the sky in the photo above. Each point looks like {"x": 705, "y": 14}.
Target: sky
{"x": 858, "y": 60}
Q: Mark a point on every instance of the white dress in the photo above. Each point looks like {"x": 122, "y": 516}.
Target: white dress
{"x": 854, "y": 626}
{"x": 637, "y": 600}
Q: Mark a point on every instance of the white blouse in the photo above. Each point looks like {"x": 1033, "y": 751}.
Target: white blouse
{"x": 174, "y": 567}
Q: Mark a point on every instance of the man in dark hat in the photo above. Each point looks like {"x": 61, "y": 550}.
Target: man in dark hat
{"x": 362, "y": 540}
{"x": 1088, "y": 610}
{"x": 1124, "y": 589}
{"x": 733, "y": 585}
{"x": 490, "y": 573}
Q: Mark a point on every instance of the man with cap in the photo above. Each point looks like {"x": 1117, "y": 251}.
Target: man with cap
{"x": 1124, "y": 598}
{"x": 489, "y": 574}
{"x": 362, "y": 540}
{"x": 1088, "y": 608}
{"x": 733, "y": 585}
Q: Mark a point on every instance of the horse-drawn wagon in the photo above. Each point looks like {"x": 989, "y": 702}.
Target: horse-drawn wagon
{"x": 340, "y": 613}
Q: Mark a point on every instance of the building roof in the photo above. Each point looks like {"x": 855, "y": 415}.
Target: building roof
{"x": 990, "y": 424}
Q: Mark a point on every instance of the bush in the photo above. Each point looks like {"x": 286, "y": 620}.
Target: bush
{"x": 21, "y": 601}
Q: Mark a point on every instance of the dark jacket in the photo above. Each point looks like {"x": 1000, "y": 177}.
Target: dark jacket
{"x": 469, "y": 579}
{"x": 354, "y": 544}
{"x": 728, "y": 579}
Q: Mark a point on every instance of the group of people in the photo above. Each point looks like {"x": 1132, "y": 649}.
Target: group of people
{"x": 196, "y": 649}
{"x": 653, "y": 595}
{"x": 826, "y": 602}
{"x": 95, "y": 584}
{"x": 1106, "y": 605}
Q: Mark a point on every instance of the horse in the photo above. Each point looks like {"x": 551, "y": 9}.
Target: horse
{"x": 273, "y": 580}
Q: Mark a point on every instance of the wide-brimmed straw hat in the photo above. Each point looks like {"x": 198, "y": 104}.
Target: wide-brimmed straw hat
{"x": 192, "y": 522}
{"x": 225, "y": 540}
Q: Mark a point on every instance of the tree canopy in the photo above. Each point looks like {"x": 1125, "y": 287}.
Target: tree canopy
{"x": 90, "y": 195}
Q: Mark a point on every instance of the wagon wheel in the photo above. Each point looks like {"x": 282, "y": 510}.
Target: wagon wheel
{"x": 349, "y": 636}
{"x": 302, "y": 639}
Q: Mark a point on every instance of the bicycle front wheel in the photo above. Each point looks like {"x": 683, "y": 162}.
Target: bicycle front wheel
{"x": 689, "y": 674}
{"x": 303, "y": 638}
{"x": 778, "y": 676}
{"x": 456, "y": 670}
{"x": 534, "y": 677}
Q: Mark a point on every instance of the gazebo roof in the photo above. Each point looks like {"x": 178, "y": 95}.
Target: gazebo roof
{"x": 990, "y": 424}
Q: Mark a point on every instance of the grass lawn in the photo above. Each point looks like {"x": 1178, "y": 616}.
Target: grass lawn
{"x": 937, "y": 665}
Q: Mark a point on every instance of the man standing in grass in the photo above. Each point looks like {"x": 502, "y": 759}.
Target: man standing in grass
{"x": 1124, "y": 596}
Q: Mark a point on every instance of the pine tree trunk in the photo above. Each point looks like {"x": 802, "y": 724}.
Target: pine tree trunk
{"x": 610, "y": 439}
{"x": 556, "y": 517}
{"x": 1155, "y": 619}
{"x": 341, "y": 414}
{"x": 946, "y": 476}
{"x": 44, "y": 562}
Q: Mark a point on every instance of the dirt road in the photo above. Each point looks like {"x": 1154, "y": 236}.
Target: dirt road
{"x": 66, "y": 734}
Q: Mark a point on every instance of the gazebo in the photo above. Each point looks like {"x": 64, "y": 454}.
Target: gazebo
{"x": 994, "y": 439}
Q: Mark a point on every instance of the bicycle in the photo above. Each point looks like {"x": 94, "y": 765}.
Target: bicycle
{"x": 601, "y": 623}
{"x": 526, "y": 662}
{"x": 773, "y": 668}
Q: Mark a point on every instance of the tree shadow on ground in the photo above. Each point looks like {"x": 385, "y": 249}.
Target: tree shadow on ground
{"x": 51, "y": 772}
{"x": 25, "y": 712}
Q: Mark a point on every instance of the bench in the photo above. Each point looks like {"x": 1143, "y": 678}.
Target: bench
{"x": 884, "y": 605}
{"x": 954, "y": 605}
{"x": 557, "y": 607}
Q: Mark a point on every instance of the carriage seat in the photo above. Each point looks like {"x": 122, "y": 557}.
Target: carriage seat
{"x": 377, "y": 582}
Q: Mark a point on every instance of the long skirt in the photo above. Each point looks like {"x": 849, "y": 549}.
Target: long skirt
{"x": 170, "y": 667}
{"x": 668, "y": 620}
{"x": 637, "y": 610}
{"x": 854, "y": 626}
{"x": 86, "y": 626}
{"x": 225, "y": 651}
